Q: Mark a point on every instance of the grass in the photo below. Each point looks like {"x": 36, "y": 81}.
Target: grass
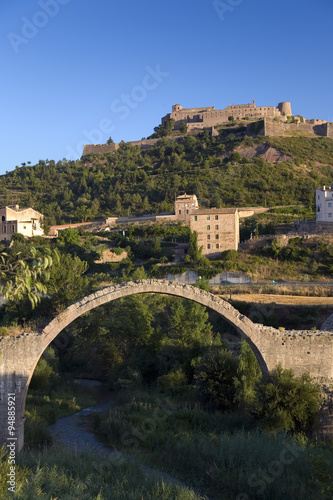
{"x": 224, "y": 455}
{"x": 42, "y": 410}
{"x": 57, "y": 473}
{"x": 309, "y": 290}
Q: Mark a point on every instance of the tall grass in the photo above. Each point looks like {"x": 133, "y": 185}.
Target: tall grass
{"x": 58, "y": 473}
{"x": 224, "y": 455}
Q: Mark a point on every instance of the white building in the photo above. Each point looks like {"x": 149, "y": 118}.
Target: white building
{"x": 26, "y": 221}
{"x": 324, "y": 204}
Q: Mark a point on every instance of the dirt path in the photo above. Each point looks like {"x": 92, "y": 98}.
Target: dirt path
{"x": 281, "y": 299}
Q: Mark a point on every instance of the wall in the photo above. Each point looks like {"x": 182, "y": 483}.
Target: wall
{"x": 218, "y": 233}
{"x": 302, "y": 351}
{"x": 271, "y": 128}
{"x": 99, "y": 149}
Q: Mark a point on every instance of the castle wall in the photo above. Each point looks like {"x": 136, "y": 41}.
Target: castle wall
{"x": 208, "y": 117}
{"x": 329, "y": 130}
{"x": 99, "y": 148}
{"x": 271, "y": 128}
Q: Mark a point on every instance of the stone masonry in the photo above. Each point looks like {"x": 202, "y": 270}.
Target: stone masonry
{"x": 302, "y": 351}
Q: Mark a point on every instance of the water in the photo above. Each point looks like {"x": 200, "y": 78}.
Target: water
{"x": 74, "y": 430}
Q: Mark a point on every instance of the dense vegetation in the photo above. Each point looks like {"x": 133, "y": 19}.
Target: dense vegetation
{"x": 132, "y": 181}
{"x": 191, "y": 399}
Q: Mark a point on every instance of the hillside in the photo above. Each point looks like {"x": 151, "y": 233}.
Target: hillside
{"x": 221, "y": 171}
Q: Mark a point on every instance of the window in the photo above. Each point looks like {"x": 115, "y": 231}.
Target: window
{"x": 180, "y": 212}
{"x": 208, "y": 228}
{"x": 208, "y": 236}
{"x": 330, "y": 204}
{"x": 3, "y": 218}
{"x": 208, "y": 246}
{"x": 330, "y": 215}
{"x": 216, "y": 217}
{"x": 186, "y": 205}
{"x": 187, "y": 211}
{"x": 217, "y": 237}
{"x": 217, "y": 245}
{"x": 195, "y": 217}
{"x": 208, "y": 217}
{"x": 217, "y": 228}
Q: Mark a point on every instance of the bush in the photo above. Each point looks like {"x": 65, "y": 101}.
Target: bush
{"x": 4, "y": 331}
{"x": 286, "y": 402}
{"x": 41, "y": 376}
{"x": 214, "y": 378}
{"x": 172, "y": 379}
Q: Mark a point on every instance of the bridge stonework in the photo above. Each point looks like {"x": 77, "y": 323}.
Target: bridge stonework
{"x": 302, "y": 351}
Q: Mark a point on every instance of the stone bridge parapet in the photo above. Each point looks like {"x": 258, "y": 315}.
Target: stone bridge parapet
{"x": 302, "y": 351}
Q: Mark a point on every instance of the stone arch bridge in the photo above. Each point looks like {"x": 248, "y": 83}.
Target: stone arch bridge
{"x": 302, "y": 351}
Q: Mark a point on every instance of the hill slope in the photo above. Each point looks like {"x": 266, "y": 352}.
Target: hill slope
{"x": 221, "y": 171}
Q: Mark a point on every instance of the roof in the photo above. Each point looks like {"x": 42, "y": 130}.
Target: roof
{"x": 186, "y": 196}
{"x": 208, "y": 211}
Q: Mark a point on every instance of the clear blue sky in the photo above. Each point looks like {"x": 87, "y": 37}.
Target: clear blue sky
{"x": 76, "y": 72}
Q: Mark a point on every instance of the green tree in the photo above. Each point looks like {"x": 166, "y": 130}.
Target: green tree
{"x": 193, "y": 250}
{"x": 157, "y": 249}
{"x": 248, "y": 375}
{"x": 183, "y": 127}
{"x": 26, "y": 277}
{"x": 66, "y": 284}
{"x": 68, "y": 236}
{"x": 286, "y": 402}
{"x": 214, "y": 378}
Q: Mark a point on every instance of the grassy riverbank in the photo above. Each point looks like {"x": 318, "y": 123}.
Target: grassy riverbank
{"x": 43, "y": 410}
{"x": 58, "y": 473}
{"x": 224, "y": 455}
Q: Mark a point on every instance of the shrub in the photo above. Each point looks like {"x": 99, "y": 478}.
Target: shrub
{"x": 172, "y": 379}
{"x": 41, "y": 376}
{"x": 214, "y": 378}
{"x": 286, "y": 402}
{"x": 4, "y": 331}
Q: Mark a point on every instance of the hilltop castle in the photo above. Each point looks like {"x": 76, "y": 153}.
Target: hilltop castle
{"x": 261, "y": 120}
{"x": 208, "y": 117}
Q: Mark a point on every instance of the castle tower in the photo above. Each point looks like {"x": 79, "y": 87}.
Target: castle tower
{"x": 176, "y": 107}
{"x": 285, "y": 108}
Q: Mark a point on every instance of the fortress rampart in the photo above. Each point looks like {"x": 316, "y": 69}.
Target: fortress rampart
{"x": 208, "y": 117}
{"x": 272, "y": 128}
{"x": 262, "y": 120}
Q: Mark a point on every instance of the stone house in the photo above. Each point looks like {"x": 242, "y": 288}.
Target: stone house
{"x": 184, "y": 204}
{"x": 26, "y": 221}
{"x": 217, "y": 228}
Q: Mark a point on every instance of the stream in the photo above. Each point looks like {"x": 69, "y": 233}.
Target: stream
{"x": 74, "y": 431}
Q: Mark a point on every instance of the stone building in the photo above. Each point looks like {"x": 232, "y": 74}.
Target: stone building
{"x": 217, "y": 228}
{"x": 324, "y": 204}
{"x": 208, "y": 117}
{"x": 184, "y": 204}
{"x": 26, "y": 221}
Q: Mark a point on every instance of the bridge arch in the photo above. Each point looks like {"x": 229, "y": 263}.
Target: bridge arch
{"x": 22, "y": 353}
{"x": 245, "y": 327}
